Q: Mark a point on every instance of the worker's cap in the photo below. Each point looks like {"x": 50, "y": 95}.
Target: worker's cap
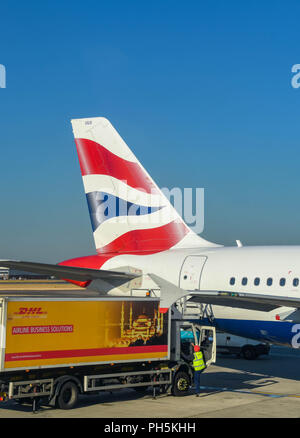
{"x": 196, "y": 348}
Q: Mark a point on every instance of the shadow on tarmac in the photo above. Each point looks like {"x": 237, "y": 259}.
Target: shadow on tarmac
{"x": 281, "y": 363}
{"x": 84, "y": 401}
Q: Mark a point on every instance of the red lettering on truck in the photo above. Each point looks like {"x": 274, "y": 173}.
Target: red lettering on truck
{"x": 30, "y": 311}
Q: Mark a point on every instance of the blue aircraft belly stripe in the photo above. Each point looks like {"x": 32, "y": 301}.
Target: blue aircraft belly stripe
{"x": 278, "y": 332}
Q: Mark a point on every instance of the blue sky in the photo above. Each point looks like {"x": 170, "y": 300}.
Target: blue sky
{"x": 201, "y": 91}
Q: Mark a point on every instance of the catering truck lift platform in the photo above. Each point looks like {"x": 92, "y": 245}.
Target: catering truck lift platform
{"x": 52, "y": 349}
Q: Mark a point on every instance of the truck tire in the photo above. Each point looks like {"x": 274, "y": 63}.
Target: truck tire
{"x": 181, "y": 384}
{"x": 68, "y": 396}
{"x": 248, "y": 352}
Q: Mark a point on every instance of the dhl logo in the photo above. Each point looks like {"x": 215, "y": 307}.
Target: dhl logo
{"x": 30, "y": 311}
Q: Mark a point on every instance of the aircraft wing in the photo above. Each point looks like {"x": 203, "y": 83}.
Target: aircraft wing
{"x": 68, "y": 272}
{"x": 263, "y": 303}
{"x": 170, "y": 293}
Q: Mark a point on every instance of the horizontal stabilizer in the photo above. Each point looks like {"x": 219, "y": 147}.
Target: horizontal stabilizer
{"x": 68, "y": 272}
{"x": 169, "y": 293}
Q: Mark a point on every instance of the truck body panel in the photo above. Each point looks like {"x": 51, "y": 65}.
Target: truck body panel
{"x": 57, "y": 332}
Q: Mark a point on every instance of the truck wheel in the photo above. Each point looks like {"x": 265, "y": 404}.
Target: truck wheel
{"x": 248, "y": 352}
{"x": 68, "y": 396}
{"x": 181, "y": 384}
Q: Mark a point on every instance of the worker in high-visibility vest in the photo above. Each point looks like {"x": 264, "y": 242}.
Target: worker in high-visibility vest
{"x": 199, "y": 366}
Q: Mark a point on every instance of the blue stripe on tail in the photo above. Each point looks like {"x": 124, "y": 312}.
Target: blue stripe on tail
{"x": 104, "y": 206}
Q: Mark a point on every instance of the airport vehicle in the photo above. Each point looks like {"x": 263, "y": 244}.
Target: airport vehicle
{"x": 244, "y": 347}
{"x": 53, "y": 349}
{"x": 142, "y": 243}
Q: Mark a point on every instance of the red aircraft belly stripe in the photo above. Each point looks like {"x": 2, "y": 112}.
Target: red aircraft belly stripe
{"x": 90, "y": 262}
{"x": 55, "y": 354}
{"x": 95, "y": 159}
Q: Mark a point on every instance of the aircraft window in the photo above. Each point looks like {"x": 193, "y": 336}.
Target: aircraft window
{"x": 282, "y": 282}
{"x": 244, "y": 281}
{"x": 269, "y": 281}
{"x": 296, "y": 282}
{"x": 232, "y": 281}
{"x": 256, "y": 281}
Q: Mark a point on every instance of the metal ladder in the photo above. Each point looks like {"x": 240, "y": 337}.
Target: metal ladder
{"x": 197, "y": 311}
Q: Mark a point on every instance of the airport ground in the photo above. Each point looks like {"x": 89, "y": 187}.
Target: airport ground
{"x": 268, "y": 387}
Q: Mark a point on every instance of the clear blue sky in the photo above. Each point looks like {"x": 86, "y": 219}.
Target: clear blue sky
{"x": 200, "y": 90}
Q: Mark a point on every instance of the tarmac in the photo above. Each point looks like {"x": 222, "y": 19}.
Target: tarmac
{"x": 268, "y": 387}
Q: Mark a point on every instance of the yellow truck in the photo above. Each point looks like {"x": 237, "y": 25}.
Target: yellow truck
{"x": 53, "y": 349}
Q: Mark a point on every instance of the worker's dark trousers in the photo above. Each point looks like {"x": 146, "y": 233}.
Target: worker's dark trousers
{"x": 197, "y": 381}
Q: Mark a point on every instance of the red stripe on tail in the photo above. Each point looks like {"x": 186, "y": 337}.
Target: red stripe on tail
{"x": 152, "y": 240}
{"x": 95, "y": 159}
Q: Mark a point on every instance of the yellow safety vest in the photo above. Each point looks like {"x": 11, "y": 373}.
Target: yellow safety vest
{"x": 198, "y": 362}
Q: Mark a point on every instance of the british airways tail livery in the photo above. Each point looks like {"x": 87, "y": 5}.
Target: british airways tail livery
{"x": 129, "y": 213}
{"x": 142, "y": 244}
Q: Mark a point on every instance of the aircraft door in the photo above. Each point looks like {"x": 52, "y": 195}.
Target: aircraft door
{"x": 190, "y": 273}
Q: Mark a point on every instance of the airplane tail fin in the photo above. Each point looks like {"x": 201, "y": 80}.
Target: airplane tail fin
{"x": 129, "y": 213}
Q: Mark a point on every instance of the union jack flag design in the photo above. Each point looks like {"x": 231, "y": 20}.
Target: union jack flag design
{"x": 129, "y": 213}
